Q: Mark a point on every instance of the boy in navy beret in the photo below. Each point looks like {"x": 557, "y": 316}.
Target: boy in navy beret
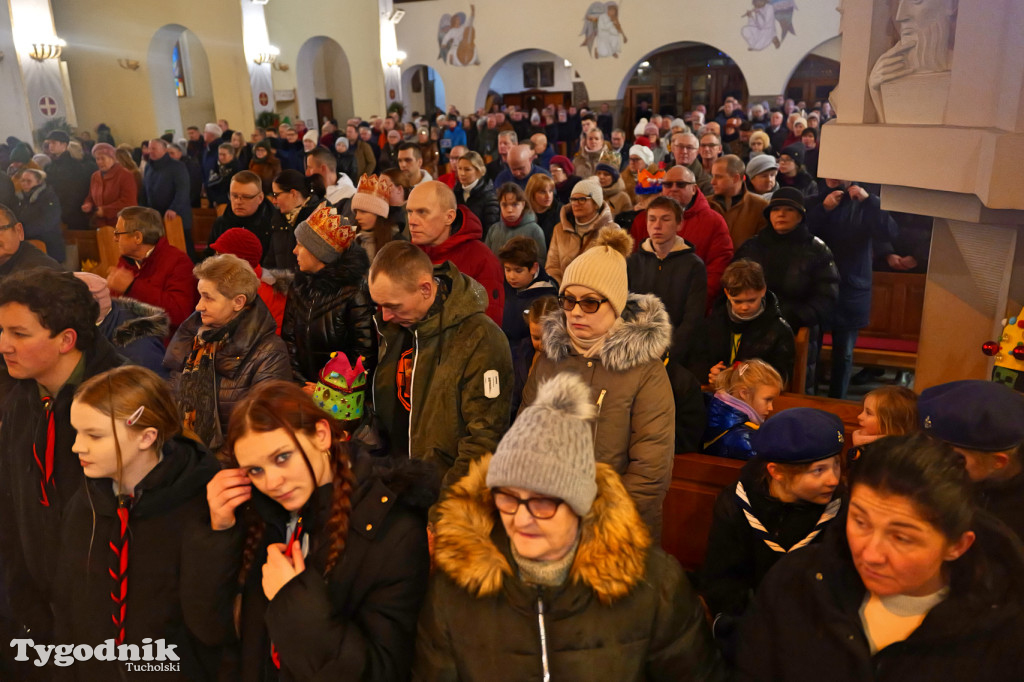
{"x": 984, "y": 422}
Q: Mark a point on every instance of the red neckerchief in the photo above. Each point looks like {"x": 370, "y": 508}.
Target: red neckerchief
{"x": 46, "y": 463}
{"x": 293, "y": 541}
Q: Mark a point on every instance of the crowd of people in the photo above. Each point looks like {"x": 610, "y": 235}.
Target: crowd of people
{"x": 411, "y": 409}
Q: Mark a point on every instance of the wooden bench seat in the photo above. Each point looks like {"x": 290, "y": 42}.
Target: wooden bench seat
{"x": 890, "y": 339}
{"x": 697, "y": 479}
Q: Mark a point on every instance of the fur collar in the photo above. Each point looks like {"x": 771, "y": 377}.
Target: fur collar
{"x": 142, "y": 320}
{"x": 611, "y": 558}
{"x": 644, "y": 335}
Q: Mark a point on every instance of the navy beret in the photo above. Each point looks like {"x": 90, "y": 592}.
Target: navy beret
{"x": 973, "y": 414}
{"x": 798, "y": 435}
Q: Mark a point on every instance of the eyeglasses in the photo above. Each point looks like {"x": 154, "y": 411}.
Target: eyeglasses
{"x": 578, "y": 200}
{"x": 121, "y": 234}
{"x": 673, "y": 183}
{"x": 539, "y": 507}
{"x": 684, "y": 146}
{"x": 244, "y": 197}
{"x": 8, "y": 226}
{"x": 587, "y": 305}
{"x": 274, "y": 195}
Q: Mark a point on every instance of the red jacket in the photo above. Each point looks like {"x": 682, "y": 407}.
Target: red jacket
{"x": 164, "y": 279}
{"x": 472, "y": 257}
{"x": 706, "y": 230}
{"x": 112, "y": 191}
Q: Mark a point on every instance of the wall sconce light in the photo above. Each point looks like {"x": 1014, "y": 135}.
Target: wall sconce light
{"x": 48, "y": 48}
{"x": 279, "y": 67}
{"x": 267, "y": 55}
{"x": 397, "y": 59}
{"x": 396, "y": 16}
{"x": 130, "y": 64}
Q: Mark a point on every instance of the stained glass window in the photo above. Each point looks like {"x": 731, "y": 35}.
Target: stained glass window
{"x": 179, "y": 70}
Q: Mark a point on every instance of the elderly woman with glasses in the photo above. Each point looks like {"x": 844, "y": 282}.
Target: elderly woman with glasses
{"x": 546, "y": 571}
{"x": 616, "y": 341}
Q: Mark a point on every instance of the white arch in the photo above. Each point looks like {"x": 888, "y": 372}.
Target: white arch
{"x": 562, "y": 72}
{"x": 827, "y": 48}
{"x": 669, "y": 46}
{"x": 415, "y": 101}
{"x": 168, "y": 107}
{"x": 323, "y": 72}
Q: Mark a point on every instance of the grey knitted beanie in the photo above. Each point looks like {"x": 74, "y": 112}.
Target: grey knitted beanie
{"x": 550, "y": 448}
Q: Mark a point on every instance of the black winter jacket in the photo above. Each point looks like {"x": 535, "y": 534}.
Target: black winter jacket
{"x": 30, "y": 532}
{"x": 625, "y": 612}
{"x": 171, "y": 498}
{"x": 258, "y": 223}
{"x": 39, "y": 213}
{"x": 482, "y": 203}
{"x": 767, "y": 337}
{"x": 330, "y": 311}
{"x": 251, "y": 354}
{"x": 70, "y": 179}
{"x": 357, "y": 624}
{"x": 805, "y": 625}
{"x": 681, "y": 282}
{"x": 1004, "y": 500}
{"x": 26, "y": 257}
{"x": 737, "y": 557}
{"x": 799, "y": 270}
{"x": 278, "y": 252}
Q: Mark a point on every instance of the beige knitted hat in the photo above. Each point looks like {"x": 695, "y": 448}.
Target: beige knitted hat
{"x": 602, "y": 267}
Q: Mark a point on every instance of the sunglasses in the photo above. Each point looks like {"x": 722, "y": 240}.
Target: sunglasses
{"x": 587, "y": 305}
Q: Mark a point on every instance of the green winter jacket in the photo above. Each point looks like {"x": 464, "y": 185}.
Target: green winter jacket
{"x": 462, "y": 378}
{"x": 625, "y": 612}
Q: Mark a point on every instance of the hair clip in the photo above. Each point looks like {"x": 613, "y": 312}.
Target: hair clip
{"x": 136, "y": 415}
{"x": 743, "y": 368}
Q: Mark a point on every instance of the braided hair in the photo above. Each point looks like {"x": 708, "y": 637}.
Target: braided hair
{"x": 274, "y": 405}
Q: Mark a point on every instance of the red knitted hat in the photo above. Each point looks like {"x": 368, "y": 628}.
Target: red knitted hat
{"x": 240, "y": 242}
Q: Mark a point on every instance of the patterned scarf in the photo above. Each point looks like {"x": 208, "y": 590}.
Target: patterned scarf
{"x": 198, "y": 385}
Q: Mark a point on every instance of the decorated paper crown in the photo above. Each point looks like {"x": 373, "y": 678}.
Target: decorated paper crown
{"x": 372, "y": 195}
{"x": 340, "y": 391}
{"x": 1009, "y": 353}
{"x": 648, "y": 182}
{"x": 331, "y": 227}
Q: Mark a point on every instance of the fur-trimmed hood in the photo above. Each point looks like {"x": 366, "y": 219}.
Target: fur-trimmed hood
{"x": 610, "y": 560}
{"x": 643, "y": 334}
{"x": 136, "y": 320}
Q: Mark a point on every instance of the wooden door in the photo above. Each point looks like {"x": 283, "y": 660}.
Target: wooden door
{"x": 635, "y": 94}
{"x": 324, "y": 111}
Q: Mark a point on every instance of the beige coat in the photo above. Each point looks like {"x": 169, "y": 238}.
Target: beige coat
{"x": 745, "y": 215}
{"x": 617, "y": 198}
{"x": 568, "y": 241}
{"x": 635, "y": 428}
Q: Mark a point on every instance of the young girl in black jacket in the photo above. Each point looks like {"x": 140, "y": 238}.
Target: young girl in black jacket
{"x": 329, "y": 557}
{"x": 119, "y": 573}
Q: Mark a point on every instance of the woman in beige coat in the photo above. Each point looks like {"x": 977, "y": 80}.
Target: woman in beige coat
{"x": 581, "y": 220}
{"x": 616, "y": 341}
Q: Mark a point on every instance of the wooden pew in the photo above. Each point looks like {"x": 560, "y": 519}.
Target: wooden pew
{"x": 202, "y": 226}
{"x": 890, "y": 339}
{"x": 697, "y": 479}
{"x": 175, "y": 231}
{"x": 38, "y": 243}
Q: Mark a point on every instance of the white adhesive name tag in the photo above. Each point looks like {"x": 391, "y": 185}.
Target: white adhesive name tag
{"x": 492, "y": 386}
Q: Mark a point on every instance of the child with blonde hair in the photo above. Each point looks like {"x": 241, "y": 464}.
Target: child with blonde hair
{"x": 743, "y": 399}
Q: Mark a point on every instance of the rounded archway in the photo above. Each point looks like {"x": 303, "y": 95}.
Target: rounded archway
{"x": 531, "y": 79}
{"x": 179, "y": 79}
{"x": 422, "y": 90}
{"x": 675, "y": 78}
{"x": 816, "y": 75}
{"x": 323, "y": 84}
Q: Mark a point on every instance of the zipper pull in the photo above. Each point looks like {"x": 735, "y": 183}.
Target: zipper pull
{"x": 543, "y": 637}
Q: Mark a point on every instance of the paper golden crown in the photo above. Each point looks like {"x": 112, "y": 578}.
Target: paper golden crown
{"x": 376, "y": 185}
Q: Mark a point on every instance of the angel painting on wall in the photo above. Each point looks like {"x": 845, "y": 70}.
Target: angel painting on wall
{"x": 760, "y": 29}
{"x": 456, "y": 38}
{"x": 602, "y": 33}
